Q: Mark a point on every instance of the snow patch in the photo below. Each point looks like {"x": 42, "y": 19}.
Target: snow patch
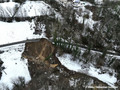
{"x": 110, "y": 80}
{"x": 99, "y": 1}
{"x": 27, "y": 9}
{"x": 15, "y": 67}
{"x": 7, "y": 9}
{"x": 33, "y": 8}
{"x": 66, "y": 60}
{"x": 18, "y": 31}
{"x": 76, "y": 1}
{"x": 81, "y": 4}
{"x": 82, "y": 12}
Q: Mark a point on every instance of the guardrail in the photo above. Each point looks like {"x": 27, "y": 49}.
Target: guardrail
{"x": 19, "y": 42}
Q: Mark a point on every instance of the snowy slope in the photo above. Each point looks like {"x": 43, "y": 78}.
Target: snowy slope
{"x": 7, "y": 9}
{"x": 15, "y": 67}
{"x": 33, "y": 8}
{"x": 67, "y": 61}
{"x": 99, "y": 1}
{"x": 80, "y": 16}
{"x": 76, "y": 1}
{"x": 27, "y": 9}
{"x": 18, "y": 31}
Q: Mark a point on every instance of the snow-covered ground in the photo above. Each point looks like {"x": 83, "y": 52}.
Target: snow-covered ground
{"x": 99, "y": 1}
{"x": 33, "y": 8}
{"x": 76, "y": 1}
{"x": 67, "y": 61}
{"x": 81, "y": 11}
{"x": 15, "y": 66}
{"x": 7, "y": 9}
{"x": 27, "y": 9}
{"x": 17, "y": 31}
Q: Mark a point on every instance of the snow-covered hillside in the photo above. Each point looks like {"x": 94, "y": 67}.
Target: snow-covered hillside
{"x": 77, "y": 27}
{"x": 67, "y": 61}
{"x": 32, "y": 8}
{"x": 8, "y": 9}
{"x": 27, "y": 9}
{"x": 15, "y": 66}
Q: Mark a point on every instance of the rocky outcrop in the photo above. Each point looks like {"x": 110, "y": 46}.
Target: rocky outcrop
{"x": 40, "y": 52}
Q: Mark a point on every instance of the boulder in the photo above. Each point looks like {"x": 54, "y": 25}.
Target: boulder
{"x": 42, "y": 51}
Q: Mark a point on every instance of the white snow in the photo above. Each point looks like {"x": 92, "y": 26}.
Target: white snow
{"x": 88, "y": 22}
{"x": 66, "y": 60}
{"x": 110, "y": 80}
{"x": 7, "y": 9}
{"x": 76, "y": 1}
{"x": 33, "y": 8}
{"x": 15, "y": 67}
{"x": 17, "y": 31}
{"x": 27, "y": 9}
{"x": 99, "y": 1}
{"x": 81, "y": 11}
{"x": 81, "y": 4}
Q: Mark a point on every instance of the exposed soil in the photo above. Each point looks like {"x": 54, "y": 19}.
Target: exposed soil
{"x": 45, "y": 77}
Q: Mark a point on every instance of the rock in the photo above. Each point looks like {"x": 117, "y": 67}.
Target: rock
{"x": 1, "y": 68}
{"x": 40, "y": 52}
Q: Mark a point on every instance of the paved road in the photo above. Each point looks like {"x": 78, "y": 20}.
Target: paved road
{"x": 75, "y": 45}
{"x": 19, "y": 42}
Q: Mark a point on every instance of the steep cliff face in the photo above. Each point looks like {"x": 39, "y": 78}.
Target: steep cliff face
{"x": 32, "y": 9}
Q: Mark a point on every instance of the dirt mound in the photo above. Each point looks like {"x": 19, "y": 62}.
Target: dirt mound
{"x": 42, "y": 51}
